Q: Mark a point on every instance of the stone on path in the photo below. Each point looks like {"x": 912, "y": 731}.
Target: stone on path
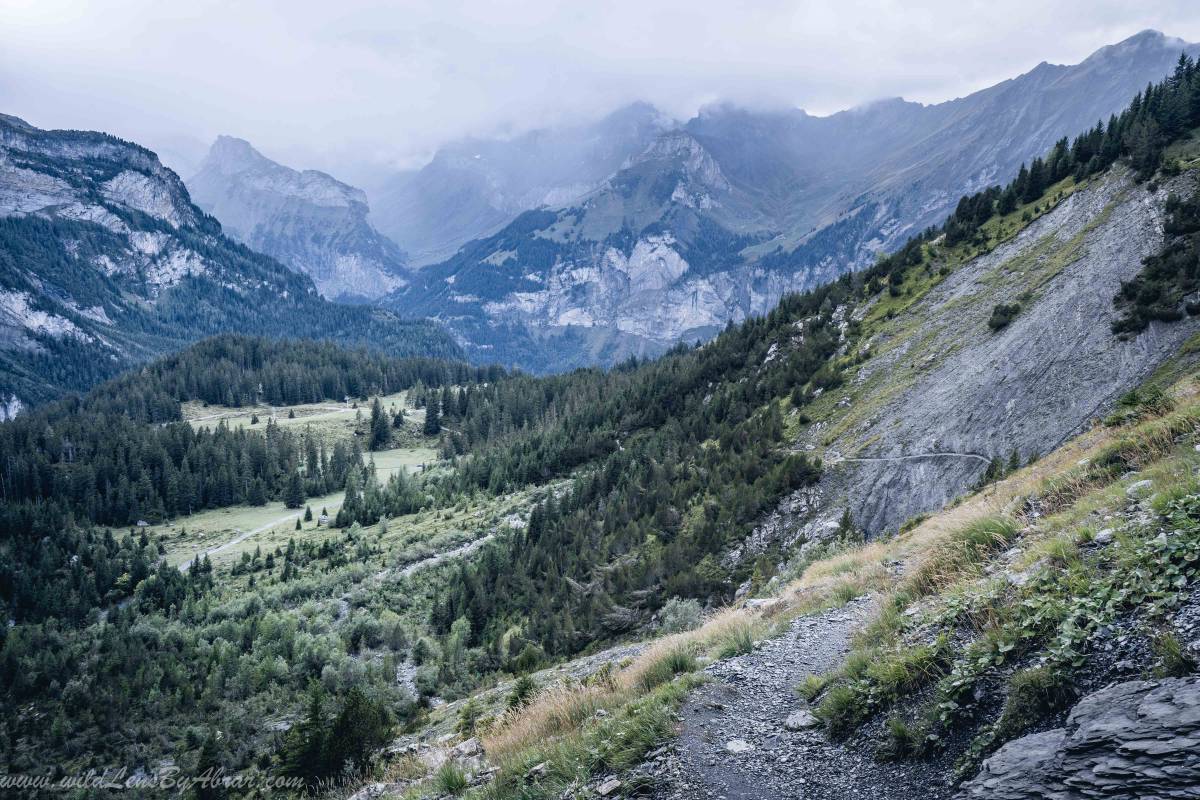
{"x": 801, "y": 720}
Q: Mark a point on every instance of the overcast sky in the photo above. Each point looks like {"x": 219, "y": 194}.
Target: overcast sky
{"x": 338, "y": 84}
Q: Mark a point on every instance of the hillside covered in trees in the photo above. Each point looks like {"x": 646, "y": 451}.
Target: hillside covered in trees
{"x": 106, "y": 263}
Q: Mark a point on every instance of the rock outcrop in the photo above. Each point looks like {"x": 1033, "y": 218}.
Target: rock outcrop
{"x": 742, "y": 207}
{"x": 308, "y": 220}
{"x": 1131, "y": 741}
{"x": 942, "y": 395}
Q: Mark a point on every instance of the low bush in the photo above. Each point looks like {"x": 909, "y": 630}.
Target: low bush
{"x": 680, "y": 615}
{"x": 1002, "y": 315}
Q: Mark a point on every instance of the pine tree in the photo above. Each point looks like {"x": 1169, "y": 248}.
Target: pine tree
{"x": 361, "y": 727}
{"x": 305, "y": 751}
{"x": 208, "y": 784}
{"x": 381, "y": 432}
{"x": 432, "y": 424}
{"x": 293, "y": 495}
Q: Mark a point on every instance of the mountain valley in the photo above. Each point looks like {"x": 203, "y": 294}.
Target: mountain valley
{"x": 759, "y": 455}
{"x": 106, "y": 263}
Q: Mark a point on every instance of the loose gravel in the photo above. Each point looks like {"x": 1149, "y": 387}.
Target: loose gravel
{"x": 735, "y": 742}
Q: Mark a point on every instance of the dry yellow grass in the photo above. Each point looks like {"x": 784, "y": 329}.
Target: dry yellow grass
{"x": 553, "y": 711}
{"x": 563, "y": 707}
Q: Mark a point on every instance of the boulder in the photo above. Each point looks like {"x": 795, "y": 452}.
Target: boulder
{"x": 467, "y": 749}
{"x": 800, "y": 720}
{"x": 1129, "y": 741}
{"x": 1139, "y": 489}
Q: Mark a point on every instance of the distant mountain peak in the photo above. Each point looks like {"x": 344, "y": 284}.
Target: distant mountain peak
{"x": 230, "y": 156}
{"x": 1144, "y": 41}
{"x": 230, "y": 151}
{"x": 307, "y": 219}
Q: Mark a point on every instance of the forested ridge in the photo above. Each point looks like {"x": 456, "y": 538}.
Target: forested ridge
{"x": 1140, "y": 134}
{"x": 122, "y": 317}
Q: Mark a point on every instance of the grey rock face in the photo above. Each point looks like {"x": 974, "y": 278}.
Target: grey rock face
{"x": 308, "y": 220}
{"x": 1135, "y": 740}
{"x": 121, "y": 174}
{"x": 958, "y": 394}
{"x": 716, "y": 220}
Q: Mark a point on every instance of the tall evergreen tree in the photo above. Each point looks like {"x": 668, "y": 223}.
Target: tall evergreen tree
{"x": 293, "y": 496}
{"x": 432, "y": 424}
{"x": 381, "y": 433}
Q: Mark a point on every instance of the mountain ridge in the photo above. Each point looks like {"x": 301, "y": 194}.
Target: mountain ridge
{"x": 106, "y": 262}
{"x": 307, "y": 219}
{"x": 795, "y": 200}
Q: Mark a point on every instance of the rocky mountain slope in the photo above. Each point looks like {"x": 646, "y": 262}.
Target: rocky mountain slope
{"x": 717, "y": 219}
{"x": 942, "y": 395}
{"x": 105, "y": 262}
{"x": 1052, "y": 655}
{"x": 474, "y": 187}
{"x": 307, "y": 220}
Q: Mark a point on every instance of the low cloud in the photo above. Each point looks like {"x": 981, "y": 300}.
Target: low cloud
{"x": 347, "y": 85}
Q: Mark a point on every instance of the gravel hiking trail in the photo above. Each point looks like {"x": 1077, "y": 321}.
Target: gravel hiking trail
{"x": 736, "y": 741}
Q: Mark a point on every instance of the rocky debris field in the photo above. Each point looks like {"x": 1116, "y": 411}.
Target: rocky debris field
{"x": 748, "y": 735}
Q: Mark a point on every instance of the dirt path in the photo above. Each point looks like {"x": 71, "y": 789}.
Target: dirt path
{"x": 917, "y": 457}
{"x": 734, "y": 744}
{"x": 241, "y": 537}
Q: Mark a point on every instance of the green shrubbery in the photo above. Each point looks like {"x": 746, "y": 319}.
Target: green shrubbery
{"x": 1158, "y": 291}
{"x": 680, "y": 615}
{"x": 1003, "y": 314}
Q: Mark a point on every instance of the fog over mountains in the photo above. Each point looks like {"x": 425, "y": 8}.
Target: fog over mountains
{"x": 590, "y": 243}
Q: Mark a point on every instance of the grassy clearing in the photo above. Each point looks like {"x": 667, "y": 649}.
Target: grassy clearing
{"x": 273, "y": 522}
{"x": 329, "y": 422}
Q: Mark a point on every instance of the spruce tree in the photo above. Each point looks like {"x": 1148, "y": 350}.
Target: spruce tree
{"x": 305, "y": 752}
{"x": 432, "y": 424}
{"x": 293, "y": 496}
{"x": 381, "y": 433}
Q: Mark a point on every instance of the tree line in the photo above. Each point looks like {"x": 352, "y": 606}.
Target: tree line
{"x": 1140, "y": 134}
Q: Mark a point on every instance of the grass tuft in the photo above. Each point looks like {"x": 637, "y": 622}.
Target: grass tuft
{"x": 1173, "y": 660}
{"x": 450, "y": 779}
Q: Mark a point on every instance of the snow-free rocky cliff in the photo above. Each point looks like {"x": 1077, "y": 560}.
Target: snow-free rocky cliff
{"x": 714, "y": 220}
{"x": 310, "y": 221}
